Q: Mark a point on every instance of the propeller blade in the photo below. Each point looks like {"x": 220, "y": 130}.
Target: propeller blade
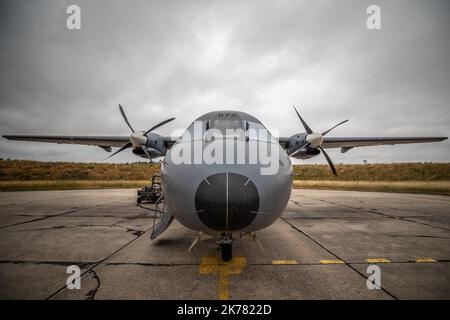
{"x": 120, "y": 150}
{"x": 307, "y": 128}
{"x": 325, "y": 132}
{"x": 333, "y": 168}
{"x": 159, "y": 125}
{"x": 306, "y": 145}
{"x": 125, "y": 118}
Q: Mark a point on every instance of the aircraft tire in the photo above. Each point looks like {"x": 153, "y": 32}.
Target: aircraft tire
{"x": 227, "y": 252}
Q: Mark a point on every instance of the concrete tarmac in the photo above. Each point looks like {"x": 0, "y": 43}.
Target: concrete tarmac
{"x": 321, "y": 248}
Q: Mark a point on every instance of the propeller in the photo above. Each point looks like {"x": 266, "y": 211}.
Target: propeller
{"x": 125, "y": 118}
{"x": 138, "y": 139}
{"x": 314, "y": 140}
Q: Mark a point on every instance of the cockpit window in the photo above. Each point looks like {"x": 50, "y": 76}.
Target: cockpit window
{"x": 223, "y": 124}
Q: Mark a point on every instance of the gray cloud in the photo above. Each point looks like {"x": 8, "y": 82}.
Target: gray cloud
{"x": 185, "y": 58}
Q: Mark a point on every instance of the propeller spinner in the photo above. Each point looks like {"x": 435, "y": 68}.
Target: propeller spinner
{"x": 138, "y": 139}
{"x": 314, "y": 140}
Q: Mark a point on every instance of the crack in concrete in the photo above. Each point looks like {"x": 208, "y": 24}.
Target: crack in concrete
{"x": 335, "y": 255}
{"x": 133, "y": 231}
{"x": 380, "y": 214}
{"x": 101, "y": 261}
{"x": 41, "y": 218}
{"x": 59, "y": 263}
{"x": 40, "y": 229}
{"x": 146, "y": 264}
{"x": 424, "y": 223}
{"x": 93, "y": 225}
{"x": 149, "y": 264}
{"x": 419, "y": 236}
{"x": 50, "y": 216}
{"x": 91, "y": 294}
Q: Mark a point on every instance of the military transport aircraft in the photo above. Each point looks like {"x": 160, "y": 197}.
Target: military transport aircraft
{"x": 244, "y": 193}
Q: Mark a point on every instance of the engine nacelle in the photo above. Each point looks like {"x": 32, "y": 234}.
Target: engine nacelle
{"x": 156, "y": 142}
{"x": 152, "y": 152}
{"x": 308, "y": 153}
{"x": 154, "y": 145}
{"x": 298, "y": 140}
{"x": 295, "y": 142}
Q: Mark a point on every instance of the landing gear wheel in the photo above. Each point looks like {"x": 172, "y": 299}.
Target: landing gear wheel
{"x": 227, "y": 252}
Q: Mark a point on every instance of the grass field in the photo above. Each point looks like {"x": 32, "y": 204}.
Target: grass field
{"x": 33, "y": 185}
{"x": 432, "y": 187}
{"x": 17, "y": 170}
{"x": 18, "y": 175}
{"x": 376, "y": 172}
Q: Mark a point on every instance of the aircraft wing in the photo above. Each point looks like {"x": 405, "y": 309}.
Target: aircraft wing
{"x": 351, "y": 142}
{"x": 346, "y": 143}
{"x": 100, "y": 141}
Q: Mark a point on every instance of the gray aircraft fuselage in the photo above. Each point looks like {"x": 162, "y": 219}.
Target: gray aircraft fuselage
{"x": 225, "y": 197}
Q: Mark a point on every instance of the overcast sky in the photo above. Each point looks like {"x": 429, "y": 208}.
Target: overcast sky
{"x": 185, "y": 58}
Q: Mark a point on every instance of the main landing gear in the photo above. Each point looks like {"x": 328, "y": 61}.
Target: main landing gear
{"x": 225, "y": 243}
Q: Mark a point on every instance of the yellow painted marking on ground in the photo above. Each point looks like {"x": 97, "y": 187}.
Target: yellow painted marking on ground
{"x": 215, "y": 265}
{"x": 332, "y": 262}
{"x": 378, "y": 260}
{"x": 425, "y": 260}
{"x": 283, "y": 262}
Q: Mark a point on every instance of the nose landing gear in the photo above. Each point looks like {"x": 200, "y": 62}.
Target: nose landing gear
{"x": 225, "y": 243}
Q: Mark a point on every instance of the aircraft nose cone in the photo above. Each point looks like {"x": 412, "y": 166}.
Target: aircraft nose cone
{"x": 138, "y": 139}
{"x": 315, "y": 139}
{"x": 227, "y": 201}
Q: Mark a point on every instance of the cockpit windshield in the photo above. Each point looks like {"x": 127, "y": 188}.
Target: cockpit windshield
{"x": 223, "y": 124}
